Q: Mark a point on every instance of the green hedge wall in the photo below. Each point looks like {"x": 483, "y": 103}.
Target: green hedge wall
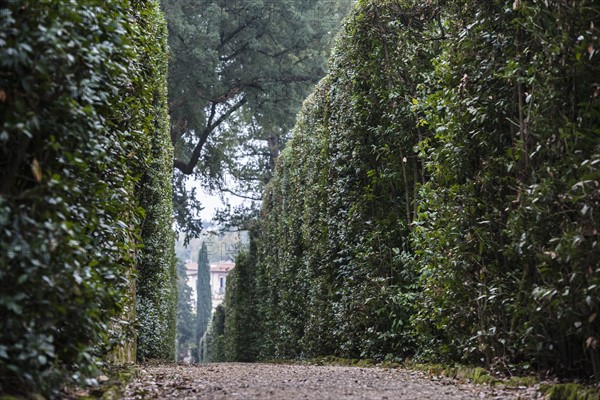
{"x": 439, "y": 196}
{"x": 337, "y": 213}
{"x": 507, "y": 235}
{"x": 216, "y": 336}
{"x": 157, "y": 280}
{"x": 82, "y": 126}
{"x": 241, "y": 332}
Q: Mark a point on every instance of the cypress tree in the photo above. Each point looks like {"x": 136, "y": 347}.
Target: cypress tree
{"x": 204, "y": 302}
{"x": 185, "y": 315}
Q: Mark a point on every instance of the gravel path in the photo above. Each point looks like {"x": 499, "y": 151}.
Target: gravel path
{"x": 290, "y": 382}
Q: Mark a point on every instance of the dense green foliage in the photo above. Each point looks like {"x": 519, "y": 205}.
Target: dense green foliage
{"x": 185, "y": 315}
{"x": 203, "y": 291}
{"x": 216, "y": 336}
{"x": 82, "y": 147}
{"x": 336, "y": 214}
{"x": 239, "y": 72}
{"x": 157, "y": 282}
{"x": 241, "y": 332}
{"x": 507, "y": 236}
{"x": 438, "y": 197}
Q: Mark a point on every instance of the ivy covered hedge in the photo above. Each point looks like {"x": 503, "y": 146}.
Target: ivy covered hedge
{"x": 439, "y": 197}
{"x": 157, "y": 279}
{"x": 337, "y": 212}
{"x": 506, "y": 240}
{"x": 83, "y": 138}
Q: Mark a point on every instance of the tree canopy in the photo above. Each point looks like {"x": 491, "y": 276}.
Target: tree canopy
{"x": 238, "y": 74}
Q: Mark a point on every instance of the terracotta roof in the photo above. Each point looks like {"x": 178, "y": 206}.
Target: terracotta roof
{"x": 222, "y": 266}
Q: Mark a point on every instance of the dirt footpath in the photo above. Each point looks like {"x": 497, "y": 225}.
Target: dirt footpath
{"x": 289, "y": 382}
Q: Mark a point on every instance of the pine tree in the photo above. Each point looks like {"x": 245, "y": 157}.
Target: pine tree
{"x": 239, "y": 73}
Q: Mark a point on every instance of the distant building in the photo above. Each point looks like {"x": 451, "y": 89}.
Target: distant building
{"x": 218, "y": 279}
{"x": 191, "y": 270}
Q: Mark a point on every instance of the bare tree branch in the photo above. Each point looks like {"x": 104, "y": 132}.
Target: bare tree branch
{"x": 242, "y": 196}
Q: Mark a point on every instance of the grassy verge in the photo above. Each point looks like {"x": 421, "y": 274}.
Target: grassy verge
{"x": 476, "y": 375}
{"x": 569, "y": 391}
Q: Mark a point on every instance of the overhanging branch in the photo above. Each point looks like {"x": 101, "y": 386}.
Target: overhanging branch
{"x": 242, "y": 196}
{"x": 188, "y": 168}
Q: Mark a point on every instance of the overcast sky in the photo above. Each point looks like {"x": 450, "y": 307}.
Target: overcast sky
{"x": 211, "y": 202}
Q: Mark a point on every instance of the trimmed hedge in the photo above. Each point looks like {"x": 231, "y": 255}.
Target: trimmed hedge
{"x": 157, "y": 279}
{"x": 83, "y": 124}
{"x": 506, "y": 240}
{"x": 438, "y": 198}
